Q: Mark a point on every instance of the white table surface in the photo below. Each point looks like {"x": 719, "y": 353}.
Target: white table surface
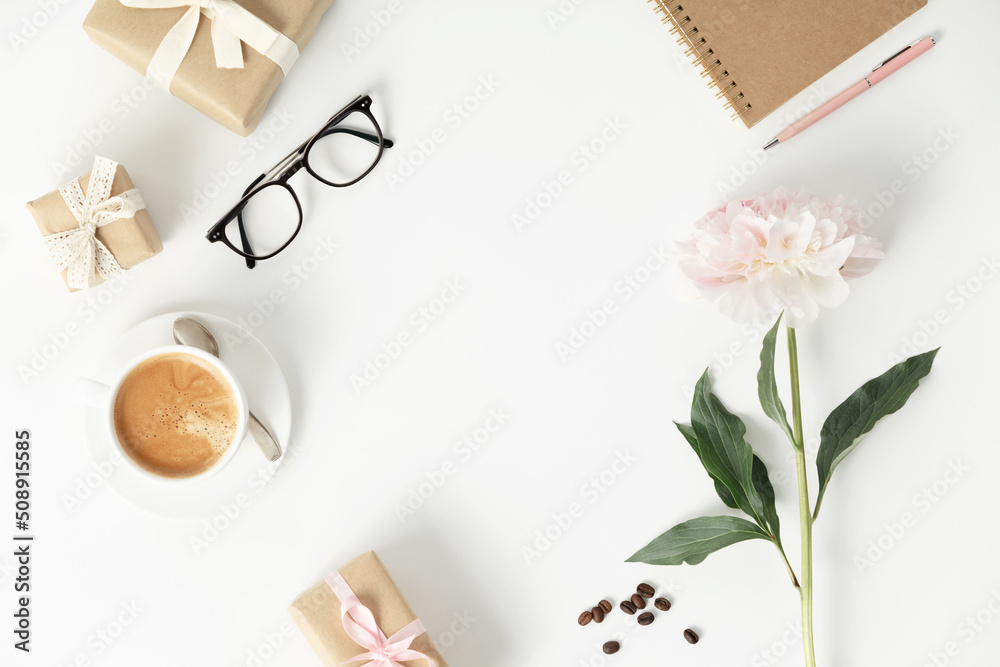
{"x": 354, "y": 457}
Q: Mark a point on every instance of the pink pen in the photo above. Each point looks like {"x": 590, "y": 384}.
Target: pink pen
{"x": 881, "y": 71}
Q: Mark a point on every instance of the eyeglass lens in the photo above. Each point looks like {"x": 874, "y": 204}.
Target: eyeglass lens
{"x": 270, "y": 219}
{"x": 343, "y": 153}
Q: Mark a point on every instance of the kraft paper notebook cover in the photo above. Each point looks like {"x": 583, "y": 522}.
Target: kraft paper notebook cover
{"x": 758, "y": 54}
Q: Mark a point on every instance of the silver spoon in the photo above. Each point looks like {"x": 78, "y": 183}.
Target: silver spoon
{"x": 192, "y": 333}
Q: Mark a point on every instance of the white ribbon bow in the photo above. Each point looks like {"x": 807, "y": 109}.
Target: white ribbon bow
{"x": 231, "y": 24}
{"x": 79, "y": 250}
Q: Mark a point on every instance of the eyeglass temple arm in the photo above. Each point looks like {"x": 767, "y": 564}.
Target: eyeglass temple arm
{"x": 370, "y": 138}
{"x": 244, "y": 240}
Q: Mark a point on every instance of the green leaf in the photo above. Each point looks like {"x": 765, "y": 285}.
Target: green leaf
{"x": 856, "y": 416}
{"x": 762, "y": 483}
{"x": 760, "y": 480}
{"x": 720, "y": 488}
{"x": 767, "y": 385}
{"x": 723, "y": 450}
{"x": 692, "y": 541}
{"x": 717, "y": 436}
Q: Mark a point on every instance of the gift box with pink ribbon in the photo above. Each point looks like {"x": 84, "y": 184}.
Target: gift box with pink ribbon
{"x": 224, "y": 58}
{"x": 358, "y": 614}
{"x": 95, "y": 226}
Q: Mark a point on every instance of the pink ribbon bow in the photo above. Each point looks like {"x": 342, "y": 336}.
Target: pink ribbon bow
{"x": 381, "y": 651}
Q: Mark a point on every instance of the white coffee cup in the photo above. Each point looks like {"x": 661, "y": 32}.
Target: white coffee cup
{"x": 102, "y": 396}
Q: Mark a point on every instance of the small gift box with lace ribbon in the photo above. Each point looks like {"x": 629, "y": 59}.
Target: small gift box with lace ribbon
{"x": 357, "y": 615}
{"x": 95, "y": 226}
{"x": 223, "y": 57}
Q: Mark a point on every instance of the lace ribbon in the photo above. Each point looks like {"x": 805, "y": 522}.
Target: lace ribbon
{"x": 231, "y": 24}
{"x": 382, "y": 651}
{"x": 78, "y": 250}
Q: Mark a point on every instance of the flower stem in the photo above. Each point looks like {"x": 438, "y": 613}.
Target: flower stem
{"x": 805, "y": 513}
{"x": 791, "y": 572}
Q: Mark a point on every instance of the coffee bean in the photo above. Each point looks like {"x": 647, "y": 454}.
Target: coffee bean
{"x": 611, "y": 647}
{"x": 663, "y": 604}
{"x": 598, "y": 614}
{"x": 585, "y": 618}
{"x": 638, "y": 601}
{"x": 691, "y": 636}
{"x": 605, "y": 606}
{"x": 627, "y": 607}
{"x": 646, "y": 618}
{"x": 645, "y": 590}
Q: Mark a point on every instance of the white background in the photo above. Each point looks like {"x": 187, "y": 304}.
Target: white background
{"x": 354, "y": 457}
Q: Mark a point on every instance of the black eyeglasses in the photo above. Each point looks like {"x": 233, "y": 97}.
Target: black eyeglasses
{"x": 269, "y": 215}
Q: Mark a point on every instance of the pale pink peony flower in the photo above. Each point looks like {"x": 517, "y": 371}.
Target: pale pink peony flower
{"x": 781, "y": 251}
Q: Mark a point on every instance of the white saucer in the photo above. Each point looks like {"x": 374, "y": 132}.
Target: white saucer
{"x": 248, "y": 471}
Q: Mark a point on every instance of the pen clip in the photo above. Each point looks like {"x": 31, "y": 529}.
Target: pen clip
{"x": 897, "y": 54}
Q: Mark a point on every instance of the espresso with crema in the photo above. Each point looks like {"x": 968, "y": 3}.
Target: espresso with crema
{"x": 176, "y": 415}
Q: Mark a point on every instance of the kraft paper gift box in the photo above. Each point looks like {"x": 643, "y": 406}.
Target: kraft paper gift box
{"x": 317, "y": 612}
{"x": 209, "y": 75}
{"x": 130, "y": 240}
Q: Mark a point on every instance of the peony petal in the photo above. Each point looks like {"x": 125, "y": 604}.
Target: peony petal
{"x": 827, "y": 231}
{"x": 779, "y": 251}
{"x": 866, "y": 255}
{"x": 782, "y": 241}
{"x": 827, "y": 291}
{"x": 829, "y": 260}
{"x": 738, "y": 304}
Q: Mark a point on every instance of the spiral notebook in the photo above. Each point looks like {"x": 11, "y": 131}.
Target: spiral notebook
{"x": 758, "y": 54}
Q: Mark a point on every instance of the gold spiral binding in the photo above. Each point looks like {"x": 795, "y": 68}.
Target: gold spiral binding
{"x": 703, "y": 56}
{"x": 723, "y": 91}
{"x": 718, "y": 78}
{"x": 708, "y": 68}
{"x": 700, "y": 59}
{"x": 679, "y": 25}
{"x": 732, "y": 101}
{"x": 740, "y": 112}
{"x": 693, "y": 49}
